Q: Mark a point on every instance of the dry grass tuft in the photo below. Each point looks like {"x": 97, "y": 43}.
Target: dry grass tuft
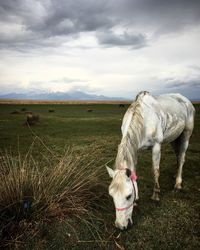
{"x": 15, "y": 112}
{"x": 32, "y": 119}
{"x": 59, "y": 187}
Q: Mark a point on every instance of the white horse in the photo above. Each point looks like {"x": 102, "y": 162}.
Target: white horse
{"x": 148, "y": 122}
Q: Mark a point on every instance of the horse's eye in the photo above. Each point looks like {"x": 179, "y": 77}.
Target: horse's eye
{"x": 128, "y": 197}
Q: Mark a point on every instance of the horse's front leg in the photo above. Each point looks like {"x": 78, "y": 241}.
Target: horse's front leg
{"x": 156, "y": 153}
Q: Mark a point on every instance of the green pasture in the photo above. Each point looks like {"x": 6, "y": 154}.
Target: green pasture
{"x": 173, "y": 223}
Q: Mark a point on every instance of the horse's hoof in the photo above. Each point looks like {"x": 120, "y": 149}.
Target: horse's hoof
{"x": 178, "y": 190}
{"x": 156, "y": 202}
{"x": 177, "y": 187}
{"x": 155, "y": 198}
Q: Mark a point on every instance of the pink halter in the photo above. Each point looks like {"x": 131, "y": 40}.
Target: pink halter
{"x": 133, "y": 176}
{"x": 135, "y": 190}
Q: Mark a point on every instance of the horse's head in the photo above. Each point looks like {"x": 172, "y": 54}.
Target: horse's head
{"x": 124, "y": 191}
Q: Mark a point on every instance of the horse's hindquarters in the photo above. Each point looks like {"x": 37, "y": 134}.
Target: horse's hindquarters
{"x": 173, "y": 129}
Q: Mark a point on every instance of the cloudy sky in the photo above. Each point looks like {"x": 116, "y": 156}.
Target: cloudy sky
{"x": 109, "y": 47}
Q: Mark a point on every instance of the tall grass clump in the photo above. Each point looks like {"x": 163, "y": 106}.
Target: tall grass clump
{"x": 54, "y": 187}
{"x": 32, "y": 119}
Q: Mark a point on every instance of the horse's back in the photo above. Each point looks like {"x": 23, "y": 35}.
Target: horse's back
{"x": 175, "y": 102}
{"x": 165, "y": 116}
{"x": 177, "y": 105}
{"x": 179, "y": 115}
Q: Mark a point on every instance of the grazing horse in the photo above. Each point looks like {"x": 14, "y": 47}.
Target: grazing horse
{"x": 148, "y": 122}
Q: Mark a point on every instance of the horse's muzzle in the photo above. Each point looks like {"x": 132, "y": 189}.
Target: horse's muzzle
{"x": 124, "y": 228}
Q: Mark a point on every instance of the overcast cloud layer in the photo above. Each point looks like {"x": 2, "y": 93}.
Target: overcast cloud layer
{"x": 109, "y": 47}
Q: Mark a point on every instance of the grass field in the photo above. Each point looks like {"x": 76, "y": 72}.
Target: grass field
{"x": 173, "y": 223}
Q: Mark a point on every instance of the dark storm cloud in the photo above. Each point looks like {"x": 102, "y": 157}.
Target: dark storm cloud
{"x": 29, "y": 23}
{"x": 135, "y": 41}
{"x": 192, "y": 83}
{"x": 189, "y": 87}
{"x": 39, "y": 20}
{"x": 160, "y": 16}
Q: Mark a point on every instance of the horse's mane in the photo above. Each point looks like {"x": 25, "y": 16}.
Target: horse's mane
{"x": 127, "y": 149}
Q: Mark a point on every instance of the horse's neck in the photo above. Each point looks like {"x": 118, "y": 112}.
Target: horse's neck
{"x": 127, "y": 154}
{"x": 130, "y": 143}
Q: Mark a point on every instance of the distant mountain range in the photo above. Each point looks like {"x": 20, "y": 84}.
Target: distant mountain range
{"x": 71, "y": 95}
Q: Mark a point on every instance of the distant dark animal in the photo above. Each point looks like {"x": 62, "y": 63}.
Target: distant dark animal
{"x": 23, "y": 109}
{"x": 32, "y": 119}
{"x": 51, "y": 110}
{"x": 89, "y": 110}
{"x": 15, "y": 112}
{"x": 121, "y": 105}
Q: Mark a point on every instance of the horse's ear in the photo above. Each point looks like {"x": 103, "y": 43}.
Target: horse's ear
{"x": 110, "y": 172}
{"x": 128, "y": 172}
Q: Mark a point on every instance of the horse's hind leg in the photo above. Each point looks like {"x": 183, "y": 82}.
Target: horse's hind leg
{"x": 156, "y": 153}
{"x": 180, "y": 146}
